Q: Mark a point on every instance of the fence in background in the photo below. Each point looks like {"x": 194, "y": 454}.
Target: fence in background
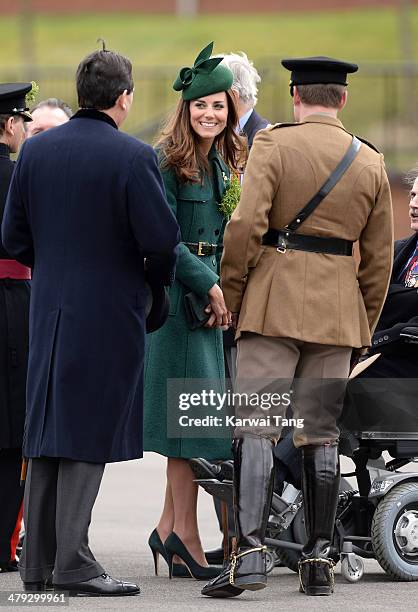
{"x": 382, "y": 105}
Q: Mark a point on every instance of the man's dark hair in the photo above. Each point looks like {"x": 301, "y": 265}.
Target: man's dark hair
{"x": 54, "y": 103}
{"x": 101, "y": 78}
{"x": 3, "y": 120}
{"x": 327, "y": 94}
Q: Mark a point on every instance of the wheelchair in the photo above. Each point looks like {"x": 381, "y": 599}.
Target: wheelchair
{"x": 378, "y": 517}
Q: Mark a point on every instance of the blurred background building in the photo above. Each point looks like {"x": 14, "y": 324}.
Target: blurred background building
{"x": 43, "y": 40}
{"x": 192, "y": 6}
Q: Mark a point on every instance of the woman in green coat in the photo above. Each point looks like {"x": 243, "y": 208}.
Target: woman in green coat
{"x": 198, "y": 149}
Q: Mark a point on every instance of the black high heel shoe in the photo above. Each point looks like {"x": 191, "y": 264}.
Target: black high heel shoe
{"x": 174, "y": 546}
{"x": 157, "y": 549}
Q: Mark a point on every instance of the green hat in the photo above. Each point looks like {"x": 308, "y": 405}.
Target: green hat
{"x": 206, "y": 77}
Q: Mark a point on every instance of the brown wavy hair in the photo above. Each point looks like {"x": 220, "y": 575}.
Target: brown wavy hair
{"x": 178, "y": 144}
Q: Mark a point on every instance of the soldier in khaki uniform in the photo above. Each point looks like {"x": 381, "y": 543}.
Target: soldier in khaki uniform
{"x": 300, "y": 305}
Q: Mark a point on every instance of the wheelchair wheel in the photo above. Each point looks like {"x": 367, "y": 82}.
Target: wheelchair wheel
{"x": 395, "y": 532}
{"x": 271, "y": 559}
{"x": 352, "y": 572}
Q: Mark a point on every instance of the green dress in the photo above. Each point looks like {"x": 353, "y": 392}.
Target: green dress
{"x": 175, "y": 351}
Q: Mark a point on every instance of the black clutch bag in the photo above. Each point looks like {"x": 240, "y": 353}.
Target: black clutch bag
{"x": 195, "y": 310}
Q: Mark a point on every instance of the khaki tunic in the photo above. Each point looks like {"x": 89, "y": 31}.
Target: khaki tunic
{"x": 313, "y": 297}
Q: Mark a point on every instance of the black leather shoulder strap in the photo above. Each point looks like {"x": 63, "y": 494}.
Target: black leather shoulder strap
{"x": 329, "y": 184}
{"x": 369, "y": 144}
{"x": 275, "y": 126}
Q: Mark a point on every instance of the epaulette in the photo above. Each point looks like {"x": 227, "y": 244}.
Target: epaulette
{"x": 281, "y": 125}
{"x": 369, "y": 144}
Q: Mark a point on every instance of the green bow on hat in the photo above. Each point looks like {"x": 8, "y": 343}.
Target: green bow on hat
{"x": 206, "y": 77}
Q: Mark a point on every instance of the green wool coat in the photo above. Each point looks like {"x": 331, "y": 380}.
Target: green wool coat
{"x": 175, "y": 351}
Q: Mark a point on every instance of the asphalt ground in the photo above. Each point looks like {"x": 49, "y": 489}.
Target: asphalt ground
{"x": 126, "y": 511}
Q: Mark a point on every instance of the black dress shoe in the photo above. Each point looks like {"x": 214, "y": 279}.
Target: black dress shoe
{"x": 8, "y": 566}
{"x": 101, "y": 586}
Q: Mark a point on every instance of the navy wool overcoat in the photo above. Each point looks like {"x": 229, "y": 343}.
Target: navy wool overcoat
{"x": 85, "y": 207}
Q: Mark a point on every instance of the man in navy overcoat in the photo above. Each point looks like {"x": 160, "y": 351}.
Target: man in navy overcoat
{"x": 85, "y": 208}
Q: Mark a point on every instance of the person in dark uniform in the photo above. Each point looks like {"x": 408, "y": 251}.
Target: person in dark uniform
{"x": 14, "y": 341}
{"x": 301, "y": 307}
{"x": 86, "y": 206}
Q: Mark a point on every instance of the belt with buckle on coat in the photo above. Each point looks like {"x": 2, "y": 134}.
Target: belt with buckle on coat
{"x": 202, "y": 249}
{"x": 283, "y": 240}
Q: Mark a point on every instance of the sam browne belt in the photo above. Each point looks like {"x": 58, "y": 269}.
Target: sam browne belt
{"x": 283, "y": 240}
{"x": 287, "y": 238}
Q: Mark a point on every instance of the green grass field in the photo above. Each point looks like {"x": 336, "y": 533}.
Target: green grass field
{"x": 385, "y": 110}
{"x": 372, "y": 35}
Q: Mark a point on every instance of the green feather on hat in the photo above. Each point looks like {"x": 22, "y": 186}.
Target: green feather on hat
{"x": 206, "y": 77}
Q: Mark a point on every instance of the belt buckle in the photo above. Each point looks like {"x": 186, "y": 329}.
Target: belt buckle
{"x": 283, "y": 244}
{"x": 199, "y": 249}
{"x": 283, "y": 247}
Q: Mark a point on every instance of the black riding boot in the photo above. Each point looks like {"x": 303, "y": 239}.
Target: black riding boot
{"x": 320, "y": 486}
{"x": 253, "y": 484}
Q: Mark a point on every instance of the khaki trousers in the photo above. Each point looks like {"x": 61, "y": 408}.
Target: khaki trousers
{"x": 312, "y": 375}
